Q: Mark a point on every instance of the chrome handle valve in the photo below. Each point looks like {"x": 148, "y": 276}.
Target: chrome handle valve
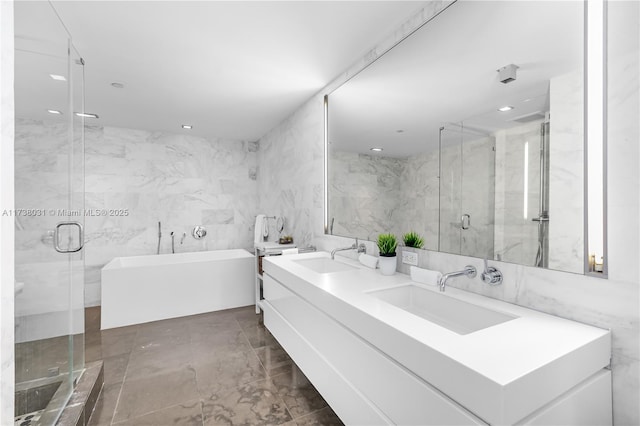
{"x": 361, "y": 248}
{"x": 199, "y": 232}
{"x": 491, "y": 275}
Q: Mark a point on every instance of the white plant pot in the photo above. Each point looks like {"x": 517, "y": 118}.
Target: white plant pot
{"x": 387, "y": 265}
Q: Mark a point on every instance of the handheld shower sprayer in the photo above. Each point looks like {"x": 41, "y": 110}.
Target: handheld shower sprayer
{"x": 173, "y": 249}
{"x": 159, "y": 235}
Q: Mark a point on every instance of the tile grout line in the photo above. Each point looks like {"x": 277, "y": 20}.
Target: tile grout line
{"x": 154, "y": 411}
{"x": 124, "y": 377}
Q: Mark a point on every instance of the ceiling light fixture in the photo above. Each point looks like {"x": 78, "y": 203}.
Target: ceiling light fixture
{"x": 399, "y": 131}
{"x": 58, "y": 77}
{"x": 376, "y": 149}
{"x": 117, "y": 85}
{"x": 86, "y": 115}
{"x": 187, "y": 126}
{"x": 54, "y": 111}
{"x": 505, "y": 108}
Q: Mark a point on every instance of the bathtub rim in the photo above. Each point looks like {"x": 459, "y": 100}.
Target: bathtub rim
{"x": 121, "y": 262}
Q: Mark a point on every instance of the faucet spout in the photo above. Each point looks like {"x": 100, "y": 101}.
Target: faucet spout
{"x": 355, "y": 246}
{"x": 469, "y": 271}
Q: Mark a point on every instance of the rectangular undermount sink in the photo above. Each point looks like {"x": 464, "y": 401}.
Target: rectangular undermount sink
{"x": 453, "y": 314}
{"x": 323, "y": 265}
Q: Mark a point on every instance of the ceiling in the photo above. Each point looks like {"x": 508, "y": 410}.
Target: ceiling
{"x": 446, "y": 72}
{"x": 231, "y": 69}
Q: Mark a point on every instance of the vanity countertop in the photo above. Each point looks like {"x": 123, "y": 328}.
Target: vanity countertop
{"x": 500, "y": 373}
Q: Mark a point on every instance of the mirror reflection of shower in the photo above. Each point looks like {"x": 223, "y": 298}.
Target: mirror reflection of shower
{"x": 467, "y": 188}
{"x": 494, "y": 188}
{"x": 542, "y": 255}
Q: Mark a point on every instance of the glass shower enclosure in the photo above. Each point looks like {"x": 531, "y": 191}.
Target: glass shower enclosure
{"x": 467, "y": 182}
{"x": 49, "y": 216}
{"x": 494, "y": 191}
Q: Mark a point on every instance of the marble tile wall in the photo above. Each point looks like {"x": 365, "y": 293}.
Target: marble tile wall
{"x": 7, "y": 372}
{"x": 179, "y": 180}
{"x": 612, "y": 303}
{"x": 418, "y": 208}
{"x": 290, "y": 173}
{"x": 364, "y": 194}
{"x": 394, "y": 195}
{"x": 566, "y": 173}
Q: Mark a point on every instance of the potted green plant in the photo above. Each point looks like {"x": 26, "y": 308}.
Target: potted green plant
{"x": 387, "y": 244}
{"x": 413, "y": 239}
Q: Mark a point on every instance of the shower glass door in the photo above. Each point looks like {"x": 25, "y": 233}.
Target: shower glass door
{"x": 49, "y": 216}
{"x": 467, "y": 182}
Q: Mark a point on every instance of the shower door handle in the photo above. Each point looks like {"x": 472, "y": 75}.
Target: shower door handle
{"x": 540, "y": 219}
{"x": 465, "y": 221}
{"x": 56, "y": 242}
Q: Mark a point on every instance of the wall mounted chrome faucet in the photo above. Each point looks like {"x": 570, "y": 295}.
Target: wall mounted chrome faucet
{"x": 355, "y": 246}
{"x": 491, "y": 275}
{"x": 469, "y": 271}
{"x": 173, "y": 249}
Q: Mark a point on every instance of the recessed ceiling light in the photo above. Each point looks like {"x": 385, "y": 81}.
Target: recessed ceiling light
{"x": 376, "y": 149}
{"x": 505, "y": 108}
{"x": 399, "y": 131}
{"x": 86, "y": 114}
{"x": 54, "y": 111}
{"x": 117, "y": 85}
{"x": 58, "y": 77}
{"x": 187, "y": 126}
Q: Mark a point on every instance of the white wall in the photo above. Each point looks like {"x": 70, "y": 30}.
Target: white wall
{"x": 6, "y": 223}
{"x": 612, "y": 303}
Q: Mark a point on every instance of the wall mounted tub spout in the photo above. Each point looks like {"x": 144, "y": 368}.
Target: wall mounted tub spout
{"x": 173, "y": 249}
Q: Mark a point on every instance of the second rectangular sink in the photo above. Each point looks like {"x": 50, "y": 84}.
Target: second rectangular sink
{"x": 323, "y": 265}
{"x": 453, "y": 314}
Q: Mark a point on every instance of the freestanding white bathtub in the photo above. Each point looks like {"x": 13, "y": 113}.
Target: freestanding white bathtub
{"x": 140, "y": 289}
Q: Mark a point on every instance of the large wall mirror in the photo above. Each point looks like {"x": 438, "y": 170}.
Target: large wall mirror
{"x": 471, "y": 133}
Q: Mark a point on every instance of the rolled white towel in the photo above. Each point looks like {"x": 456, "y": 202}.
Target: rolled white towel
{"x": 258, "y": 232}
{"x": 425, "y": 276}
{"x": 290, "y": 251}
{"x": 368, "y": 260}
{"x": 265, "y": 228}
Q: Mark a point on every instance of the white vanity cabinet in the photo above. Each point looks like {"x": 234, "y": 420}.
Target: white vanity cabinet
{"x": 360, "y": 362}
{"x": 388, "y": 393}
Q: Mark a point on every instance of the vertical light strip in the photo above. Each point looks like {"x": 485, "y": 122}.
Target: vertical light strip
{"x": 594, "y": 197}
{"x": 326, "y": 164}
{"x": 525, "y": 204}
